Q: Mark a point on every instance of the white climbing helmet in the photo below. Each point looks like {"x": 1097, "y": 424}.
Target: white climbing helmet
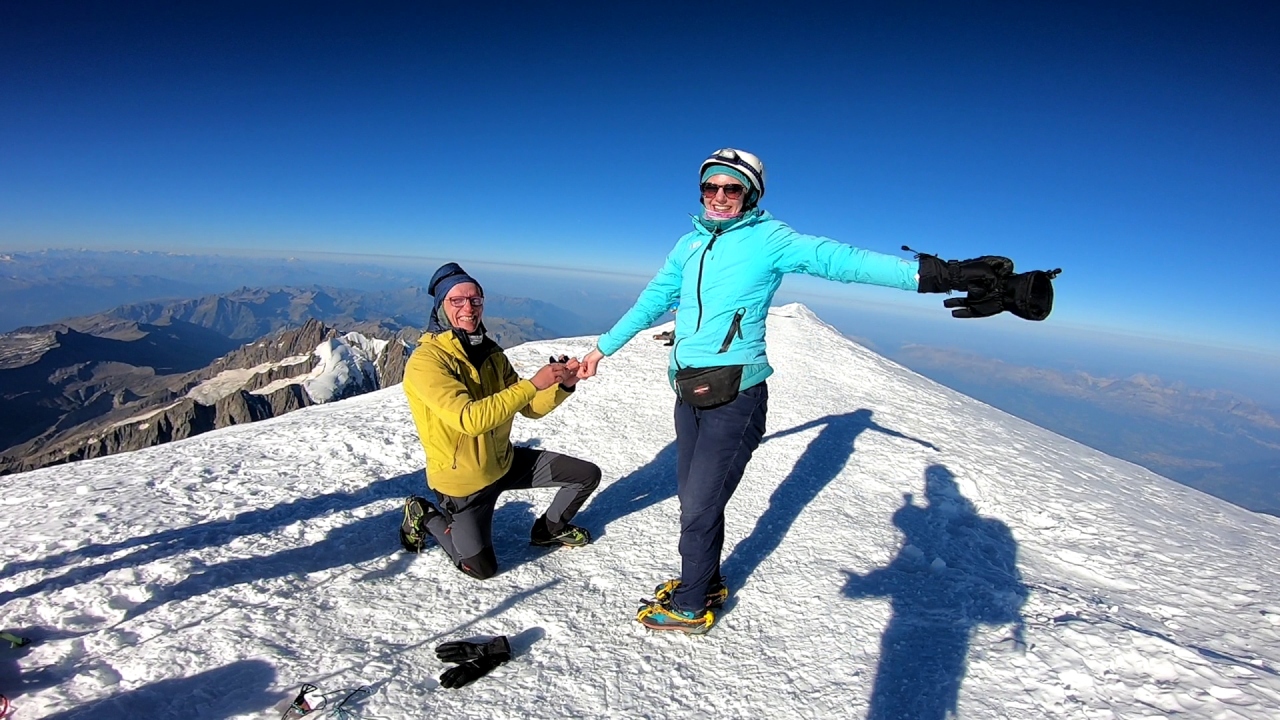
{"x": 743, "y": 162}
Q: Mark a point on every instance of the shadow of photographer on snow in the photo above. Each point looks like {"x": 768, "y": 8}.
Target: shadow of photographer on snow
{"x": 955, "y": 570}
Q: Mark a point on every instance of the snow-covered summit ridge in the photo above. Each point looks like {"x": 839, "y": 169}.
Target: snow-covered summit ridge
{"x": 897, "y": 550}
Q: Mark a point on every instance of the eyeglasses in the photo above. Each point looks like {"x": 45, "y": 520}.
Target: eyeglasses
{"x": 476, "y": 301}
{"x": 732, "y": 191}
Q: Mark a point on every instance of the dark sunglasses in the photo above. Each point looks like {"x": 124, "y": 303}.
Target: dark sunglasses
{"x": 732, "y": 191}
{"x": 458, "y": 302}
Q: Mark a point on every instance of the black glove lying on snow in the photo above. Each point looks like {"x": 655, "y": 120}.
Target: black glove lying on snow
{"x": 989, "y": 284}
{"x": 474, "y": 659}
{"x": 462, "y": 651}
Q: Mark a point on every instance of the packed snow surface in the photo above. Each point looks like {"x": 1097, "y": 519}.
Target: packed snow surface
{"x": 897, "y": 550}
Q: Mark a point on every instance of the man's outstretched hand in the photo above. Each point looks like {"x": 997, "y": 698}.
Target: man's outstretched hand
{"x": 553, "y": 373}
{"x": 571, "y": 366}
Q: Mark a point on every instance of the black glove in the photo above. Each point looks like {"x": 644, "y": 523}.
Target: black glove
{"x": 461, "y": 651}
{"x": 1029, "y": 295}
{"x": 984, "y": 273}
{"x": 468, "y": 672}
{"x": 475, "y": 660}
{"x": 990, "y": 286}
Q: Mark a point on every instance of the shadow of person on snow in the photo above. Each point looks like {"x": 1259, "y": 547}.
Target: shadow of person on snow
{"x": 648, "y": 485}
{"x": 364, "y": 540}
{"x": 520, "y": 643}
{"x": 239, "y": 688}
{"x": 956, "y": 570}
{"x": 15, "y": 680}
{"x": 822, "y": 461}
{"x": 167, "y": 543}
{"x": 641, "y": 488}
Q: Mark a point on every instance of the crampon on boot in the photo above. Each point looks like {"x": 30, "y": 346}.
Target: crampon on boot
{"x": 657, "y": 615}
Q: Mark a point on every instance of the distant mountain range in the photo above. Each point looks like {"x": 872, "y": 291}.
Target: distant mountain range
{"x": 253, "y": 312}
{"x": 148, "y": 373}
{"x": 1212, "y": 440}
{"x": 41, "y": 286}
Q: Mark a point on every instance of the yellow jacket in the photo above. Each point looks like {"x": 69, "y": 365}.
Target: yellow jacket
{"x": 464, "y": 413}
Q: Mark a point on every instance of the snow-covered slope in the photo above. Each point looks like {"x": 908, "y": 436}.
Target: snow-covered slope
{"x": 897, "y": 549}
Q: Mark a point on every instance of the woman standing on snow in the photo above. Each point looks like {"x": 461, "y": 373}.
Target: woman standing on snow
{"x": 725, "y": 273}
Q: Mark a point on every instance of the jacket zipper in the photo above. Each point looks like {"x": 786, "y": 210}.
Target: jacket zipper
{"x": 702, "y": 262}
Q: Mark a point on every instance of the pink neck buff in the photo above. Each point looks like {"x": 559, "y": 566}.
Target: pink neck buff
{"x": 713, "y": 215}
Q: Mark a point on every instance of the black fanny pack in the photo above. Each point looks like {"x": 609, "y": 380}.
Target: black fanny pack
{"x": 708, "y": 387}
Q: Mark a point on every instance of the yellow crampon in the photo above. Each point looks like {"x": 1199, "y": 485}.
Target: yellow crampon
{"x": 657, "y": 615}
{"x": 666, "y": 591}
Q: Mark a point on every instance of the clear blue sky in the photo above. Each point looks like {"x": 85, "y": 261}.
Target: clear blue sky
{"x": 1133, "y": 144}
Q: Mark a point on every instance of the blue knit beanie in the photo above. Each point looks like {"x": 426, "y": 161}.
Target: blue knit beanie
{"x": 444, "y": 280}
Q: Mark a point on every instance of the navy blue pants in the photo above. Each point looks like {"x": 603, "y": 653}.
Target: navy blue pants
{"x": 712, "y": 448}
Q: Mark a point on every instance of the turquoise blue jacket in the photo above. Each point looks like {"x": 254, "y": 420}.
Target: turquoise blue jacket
{"x": 725, "y": 278}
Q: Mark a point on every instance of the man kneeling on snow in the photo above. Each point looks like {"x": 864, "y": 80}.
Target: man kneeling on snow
{"x": 464, "y": 394}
